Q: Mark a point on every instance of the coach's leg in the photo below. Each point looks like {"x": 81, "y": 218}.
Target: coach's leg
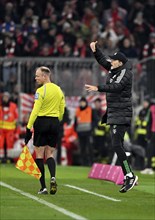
{"x": 40, "y": 162}
{"x": 117, "y": 134}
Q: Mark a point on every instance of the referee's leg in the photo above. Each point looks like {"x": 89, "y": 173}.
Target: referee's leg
{"x": 49, "y": 155}
{"x": 40, "y": 151}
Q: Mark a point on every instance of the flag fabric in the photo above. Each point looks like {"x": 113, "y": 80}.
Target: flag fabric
{"x": 27, "y": 164}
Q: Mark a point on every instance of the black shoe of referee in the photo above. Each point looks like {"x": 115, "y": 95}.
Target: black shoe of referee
{"x": 53, "y": 186}
{"x": 129, "y": 183}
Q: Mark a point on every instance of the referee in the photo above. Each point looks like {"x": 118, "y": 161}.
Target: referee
{"x": 45, "y": 118}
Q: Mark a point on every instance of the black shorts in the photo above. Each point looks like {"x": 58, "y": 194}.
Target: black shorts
{"x": 46, "y": 131}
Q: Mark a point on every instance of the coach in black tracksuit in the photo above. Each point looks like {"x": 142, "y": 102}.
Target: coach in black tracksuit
{"x": 118, "y": 90}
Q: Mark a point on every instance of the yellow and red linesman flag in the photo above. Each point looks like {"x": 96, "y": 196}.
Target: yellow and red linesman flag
{"x": 27, "y": 164}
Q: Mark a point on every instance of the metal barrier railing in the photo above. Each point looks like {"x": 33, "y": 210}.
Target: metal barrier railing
{"x": 17, "y": 75}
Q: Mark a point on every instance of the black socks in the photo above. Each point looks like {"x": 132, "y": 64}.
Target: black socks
{"x": 51, "y": 166}
{"x": 40, "y": 164}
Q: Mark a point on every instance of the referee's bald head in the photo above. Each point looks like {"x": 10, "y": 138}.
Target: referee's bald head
{"x": 44, "y": 70}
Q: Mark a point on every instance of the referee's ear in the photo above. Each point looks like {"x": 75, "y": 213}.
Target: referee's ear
{"x": 44, "y": 75}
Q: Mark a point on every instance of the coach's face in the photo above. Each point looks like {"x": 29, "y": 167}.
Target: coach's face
{"x": 40, "y": 77}
{"x": 115, "y": 64}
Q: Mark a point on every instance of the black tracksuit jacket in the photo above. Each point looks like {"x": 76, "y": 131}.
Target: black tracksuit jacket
{"x": 118, "y": 89}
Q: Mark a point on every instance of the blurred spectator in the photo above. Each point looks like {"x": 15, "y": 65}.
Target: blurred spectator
{"x": 43, "y": 34}
{"x": 67, "y": 51}
{"x": 109, "y": 36}
{"x": 53, "y": 21}
{"x": 115, "y": 13}
{"x": 69, "y": 144}
{"x": 89, "y": 17}
{"x": 97, "y": 7}
{"x": 69, "y": 36}
{"x": 68, "y": 14}
{"x": 31, "y": 46}
{"x": 83, "y": 127}
{"x": 51, "y": 35}
{"x": 8, "y": 49}
{"x": 141, "y": 123}
{"x": 57, "y": 48}
{"x": 151, "y": 141}
{"x": 137, "y": 7}
{"x": 128, "y": 48}
{"x": 10, "y": 10}
{"x": 8, "y": 120}
{"x": 29, "y": 22}
{"x": 99, "y": 132}
{"x": 34, "y": 6}
{"x": 141, "y": 30}
{"x": 49, "y": 10}
{"x": 8, "y": 26}
{"x": 45, "y": 50}
{"x": 94, "y": 32}
{"x": 80, "y": 49}
{"x": 121, "y": 30}
{"x": 20, "y": 40}
{"x": 149, "y": 48}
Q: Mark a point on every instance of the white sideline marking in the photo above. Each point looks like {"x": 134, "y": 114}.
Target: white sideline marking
{"x": 50, "y": 205}
{"x": 93, "y": 193}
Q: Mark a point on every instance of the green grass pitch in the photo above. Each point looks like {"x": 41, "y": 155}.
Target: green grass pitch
{"x": 137, "y": 204}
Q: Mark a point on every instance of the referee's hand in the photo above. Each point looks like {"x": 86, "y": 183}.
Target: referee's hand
{"x": 28, "y": 135}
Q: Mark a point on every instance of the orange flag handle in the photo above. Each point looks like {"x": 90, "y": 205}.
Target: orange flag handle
{"x": 27, "y": 164}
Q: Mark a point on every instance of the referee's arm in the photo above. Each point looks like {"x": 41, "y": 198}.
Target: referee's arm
{"x": 62, "y": 107}
{"x": 35, "y": 110}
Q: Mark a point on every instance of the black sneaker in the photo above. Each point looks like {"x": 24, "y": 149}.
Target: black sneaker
{"x": 129, "y": 183}
{"x": 43, "y": 191}
{"x": 53, "y": 186}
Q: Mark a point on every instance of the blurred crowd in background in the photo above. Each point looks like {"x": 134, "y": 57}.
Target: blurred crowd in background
{"x": 65, "y": 28}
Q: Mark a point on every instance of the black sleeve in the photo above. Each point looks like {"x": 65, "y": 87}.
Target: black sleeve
{"x": 102, "y": 59}
{"x": 116, "y": 87}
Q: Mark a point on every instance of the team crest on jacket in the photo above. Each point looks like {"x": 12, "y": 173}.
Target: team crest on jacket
{"x": 36, "y": 95}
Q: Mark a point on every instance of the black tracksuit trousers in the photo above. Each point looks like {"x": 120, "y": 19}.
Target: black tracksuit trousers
{"x": 117, "y": 135}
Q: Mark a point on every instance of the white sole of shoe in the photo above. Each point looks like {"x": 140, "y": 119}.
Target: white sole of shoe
{"x": 136, "y": 179}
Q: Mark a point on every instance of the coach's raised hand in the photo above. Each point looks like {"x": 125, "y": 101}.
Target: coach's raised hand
{"x": 93, "y": 46}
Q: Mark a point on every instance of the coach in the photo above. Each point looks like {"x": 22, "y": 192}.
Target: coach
{"x": 118, "y": 90}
